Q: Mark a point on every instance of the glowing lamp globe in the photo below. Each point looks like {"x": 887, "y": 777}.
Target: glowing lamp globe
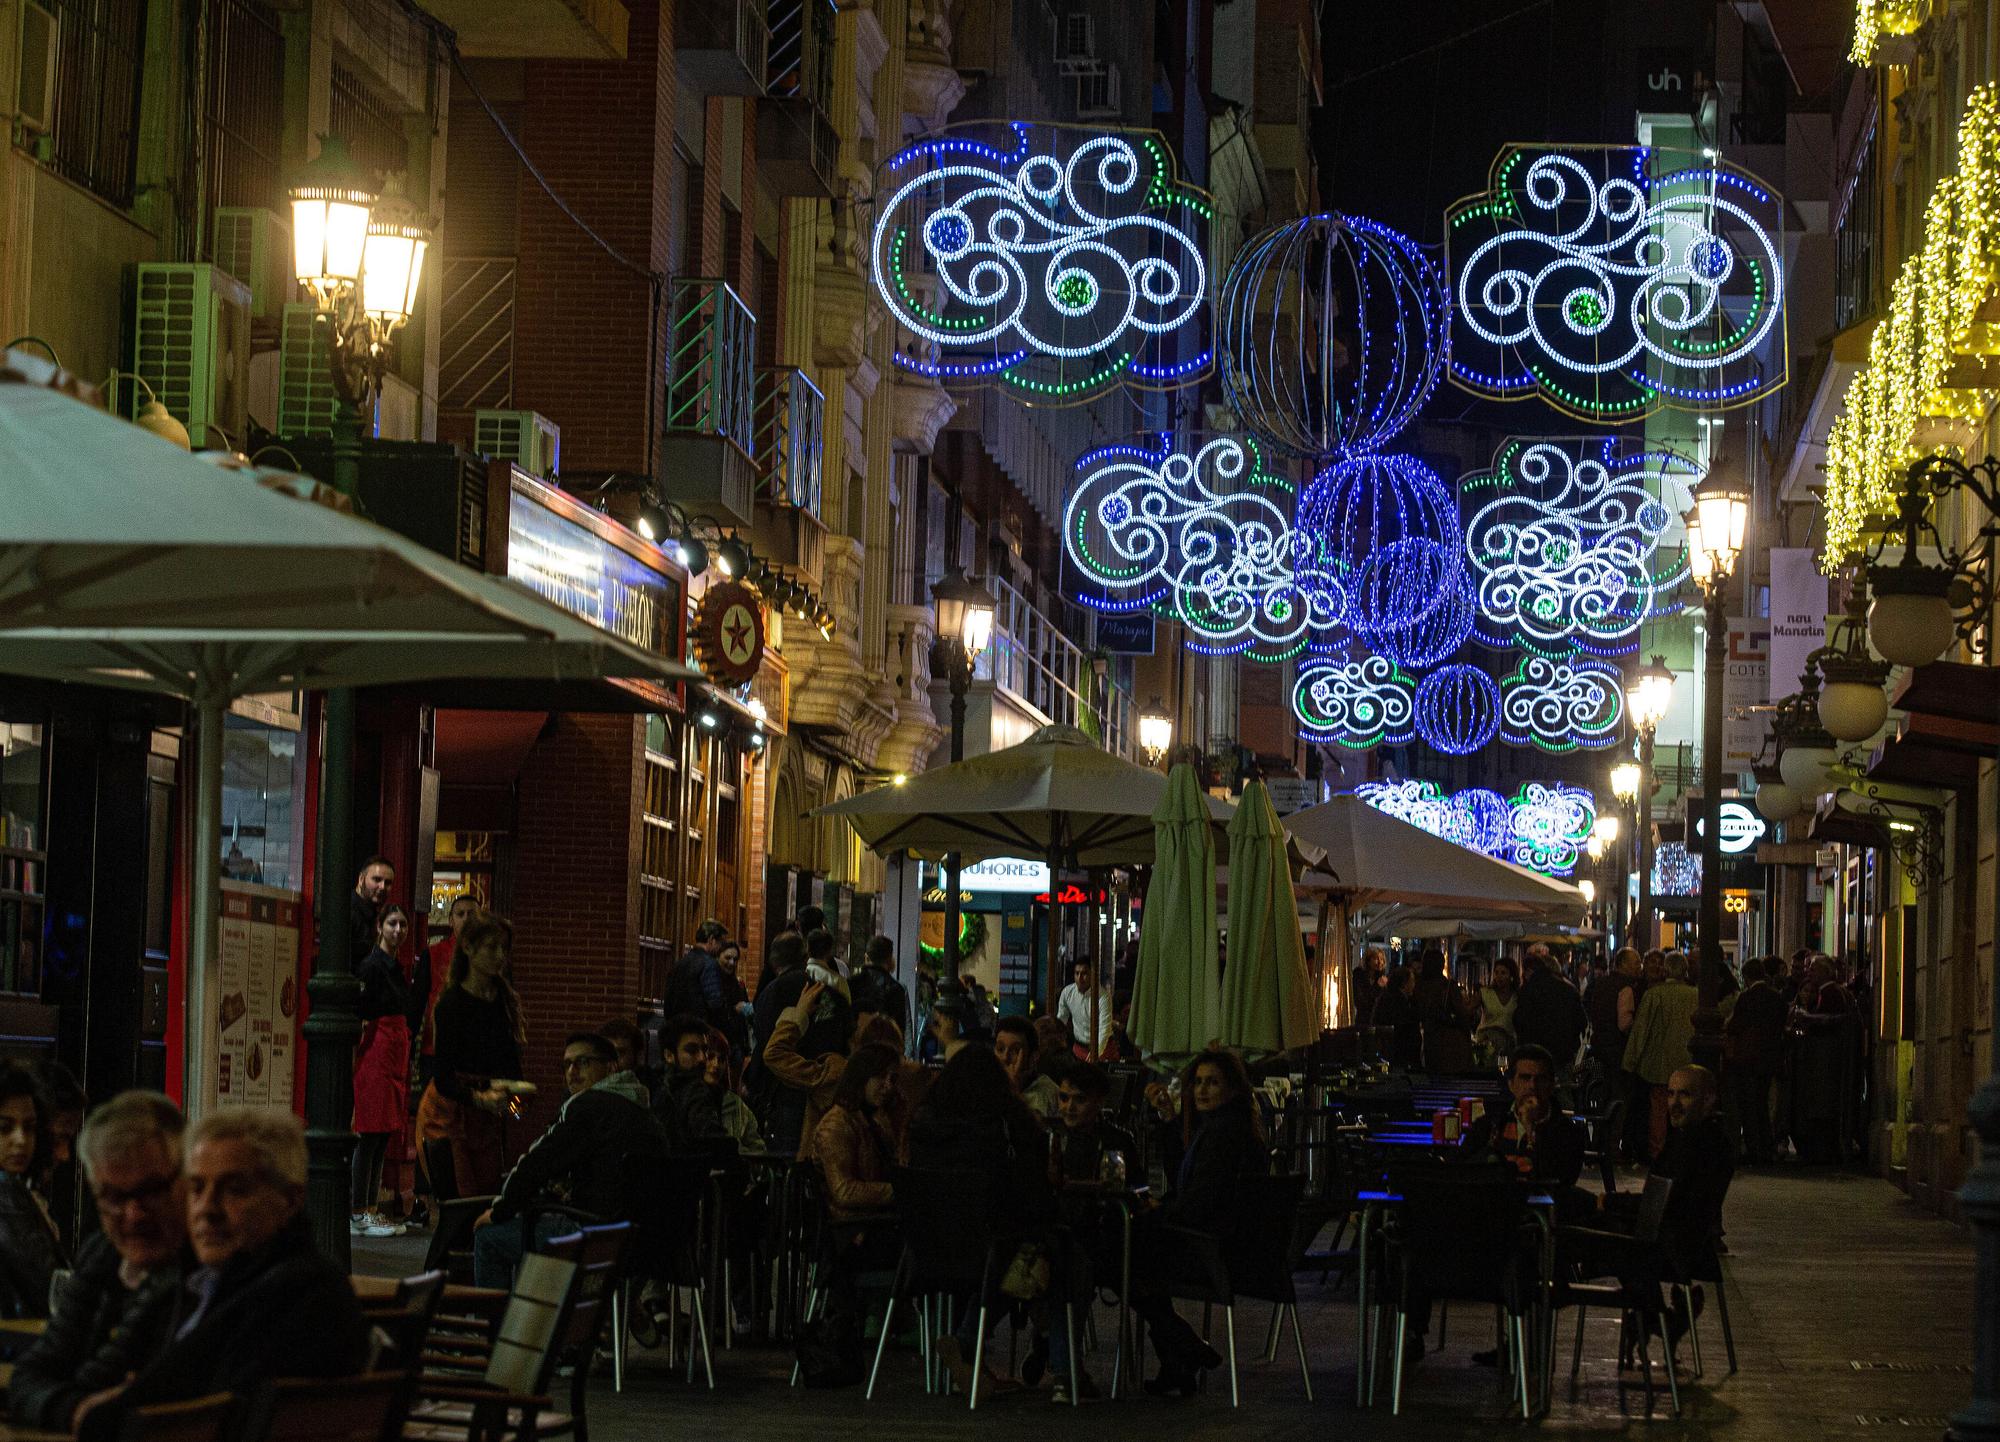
{"x": 1852, "y": 710}
{"x": 1910, "y": 621}
{"x": 1606, "y": 827}
{"x": 1715, "y": 529}
{"x": 1625, "y": 781}
{"x": 392, "y": 267}
{"x": 1589, "y": 890}
{"x": 1648, "y": 693}
{"x": 1804, "y": 768}
{"x": 1778, "y": 802}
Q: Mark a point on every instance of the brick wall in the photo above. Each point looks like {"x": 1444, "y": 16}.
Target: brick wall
{"x": 576, "y": 901}
{"x": 601, "y": 131}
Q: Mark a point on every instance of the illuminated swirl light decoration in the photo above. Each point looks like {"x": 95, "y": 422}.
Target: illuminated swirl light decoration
{"x": 1542, "y": 826}
{"x": 1458, "y": 709}
{"x": 1333, "y": 332}
{"x": 1552, "y": 825}
{"x": 1557, "y": 705}
{"x": 1202, "y": 534}
{"x": 1564, "y": 538}
{"x": 1386, "y": 528}
{"x": 1055, "y": 261}
{"x": 1676, "y": 870}
{"x": 1369, "y": 701}
{"x": 1615, "y": 281}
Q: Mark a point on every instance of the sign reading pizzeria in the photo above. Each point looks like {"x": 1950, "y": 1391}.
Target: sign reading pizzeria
{"x": 729, "y": 633}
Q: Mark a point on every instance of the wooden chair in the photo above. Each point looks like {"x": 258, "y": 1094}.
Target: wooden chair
{"x": 204, "y": 1419}
{"x": 450, "y": 1249}
{"x": 367, "y": 1408}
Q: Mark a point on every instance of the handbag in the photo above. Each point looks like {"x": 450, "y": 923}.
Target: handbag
{"x": 1027, "y": 1275}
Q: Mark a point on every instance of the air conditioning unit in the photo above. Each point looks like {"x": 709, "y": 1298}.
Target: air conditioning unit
{"x": 191, "y": 343}
{"x": 527, "y": 438}
{"x": 1076, "y": 46}
{"x": 35, "y": 87}
{"x": 255, "y": 246}
{"x": 1097, "y": 94}
{"x": 306, "y": 397}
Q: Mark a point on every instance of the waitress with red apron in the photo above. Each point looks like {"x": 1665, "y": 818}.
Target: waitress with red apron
{"x": 381, "y": 1068}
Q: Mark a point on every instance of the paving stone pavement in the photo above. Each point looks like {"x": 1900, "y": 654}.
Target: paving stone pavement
{"x": 1851, "y": 1310}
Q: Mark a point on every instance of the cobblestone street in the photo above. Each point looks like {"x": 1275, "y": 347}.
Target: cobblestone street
{"x": 1851, "y": 1310}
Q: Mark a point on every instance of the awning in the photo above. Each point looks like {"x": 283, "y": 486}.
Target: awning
{"x": 485, "y": 748}
{"x": 1957, "y": 692}
{"x": 1934, "y": 751}
{"x": 1845, "y": 828}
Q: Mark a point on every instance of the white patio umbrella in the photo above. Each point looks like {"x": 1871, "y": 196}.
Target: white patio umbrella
{"x": 126, "y": 562}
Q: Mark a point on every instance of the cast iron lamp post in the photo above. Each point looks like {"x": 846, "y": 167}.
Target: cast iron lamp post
{"x": 1648, "y": 693}
{"x": 361, "y": 255}
{"x": 964, "y": 627}
{"x": 1715, "y": 539}
{"x": 1156, "y": 732}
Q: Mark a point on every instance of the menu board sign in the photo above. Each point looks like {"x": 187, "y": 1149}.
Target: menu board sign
{"x": 257, "y": 995}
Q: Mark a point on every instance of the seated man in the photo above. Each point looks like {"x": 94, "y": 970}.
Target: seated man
{"x": 262, "y": 1303}
{"x": 1701, "y": 1158}
{"x": 1540, "y": 1141}
{"x": 114, "y": 1314}
{"x": 1081, "y": 1136}
{"x": 587, "y": 1152}
{"x": 688, "y": 1108}
{"x": 1014, "y": 1044}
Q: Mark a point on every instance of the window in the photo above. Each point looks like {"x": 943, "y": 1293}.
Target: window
{"x": 262, "y": 779}
{"x": 245, "y": 106}
{"x": 659, "y": 860}
{"x": 1854, "y": 242}
{"x": 101, "y": 56}
{"x": 23, "y": 791}
{"x": 373, "y": 132}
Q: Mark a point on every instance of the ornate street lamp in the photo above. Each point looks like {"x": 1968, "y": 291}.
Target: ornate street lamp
{"x": 1716, "y": 529}
{"x": 1649, "y": 691}
{"x": 964, "y": 627}
{"x": 1852, "y": 703}
{"x": 360, "y": 254}
{"x": 1156, "y": 731}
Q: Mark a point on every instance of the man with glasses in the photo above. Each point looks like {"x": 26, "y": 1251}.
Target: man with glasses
{"x": 600, "y": 1133}
{"x": 113, "y": 1314}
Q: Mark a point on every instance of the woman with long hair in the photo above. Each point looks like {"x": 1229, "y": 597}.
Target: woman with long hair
{"x": 30, "y": 1248}
{"x": 1224, "y": 1141}
{"x": 479, "y": 1037}
{"x": 1497, "y": 1000}
{"x": 388, "y": 1007}
{"x": 857, "y": 1138}
{"x": 720, "y": 1073}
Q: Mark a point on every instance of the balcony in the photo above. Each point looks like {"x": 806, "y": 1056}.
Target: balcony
{"x": 1036, "y": 662}
{"x": 706, "y": 458}
{"x": 796, "y": 146}
{"x": 721, "y": 46}
{"x": 932, "y": 86}
{"x": 791, "y": 416}
{"x": 536, "y": 29}
{"x": 917, "y": 731}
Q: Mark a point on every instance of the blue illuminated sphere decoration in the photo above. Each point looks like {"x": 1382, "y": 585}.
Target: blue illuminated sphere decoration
{"x": 1458, "y": 709}
{"x": 1386, "y": 529}
{"x": 1490, "y": 818}
{"x": 948, "y": 233}
{"x": 1333, "y": 334}
{"x": 1434, "y": 635}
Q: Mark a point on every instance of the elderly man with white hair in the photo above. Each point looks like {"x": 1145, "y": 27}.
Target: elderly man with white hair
{"x": 114, "y": 1314}
{"x": 261, "y": 1303}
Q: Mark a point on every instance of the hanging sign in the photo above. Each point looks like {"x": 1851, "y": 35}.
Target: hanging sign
{"x": 729, "y": 633}
{"x": 1798, "y": 614}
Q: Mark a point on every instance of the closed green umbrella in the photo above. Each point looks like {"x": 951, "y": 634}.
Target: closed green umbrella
{"x": 1176, "y": 1000}
{"x": 1267, "y": 995}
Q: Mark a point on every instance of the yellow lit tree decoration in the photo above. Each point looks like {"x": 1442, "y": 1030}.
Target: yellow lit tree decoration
{"x": 1932, "y": 309}
{"x": 1875, "y": 18}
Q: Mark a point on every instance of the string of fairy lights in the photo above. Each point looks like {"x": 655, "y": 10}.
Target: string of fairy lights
{"x": 1610, "y": 282}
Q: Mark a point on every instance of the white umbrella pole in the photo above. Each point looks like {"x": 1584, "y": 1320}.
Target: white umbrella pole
{"x": 200, "y": 1045}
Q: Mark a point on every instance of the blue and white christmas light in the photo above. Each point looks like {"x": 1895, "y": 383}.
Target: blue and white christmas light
{"x": 1616, "y": 280}
{"x": 1202, "y": 534}
{"x": 1458, "y": 709}
{"x": 1565, "y": 538}
{"x": 1562, "y": 705}
{"x": 1056, "y": 261}
{"x": 1358, "y": 704}
{"x": 1386, "y": 528}
{"x": 1333, "y": 333}
{"x": 1542, "y": 826}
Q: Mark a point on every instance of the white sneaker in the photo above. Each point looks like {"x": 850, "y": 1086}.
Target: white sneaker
{"x": 357, "y": 1224}
{"x": 374, "y": 1224}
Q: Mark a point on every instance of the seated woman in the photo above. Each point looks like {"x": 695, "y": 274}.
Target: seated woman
{"x": 1224, "y": 1141}
{"x": 738, "y": 1121}
{"x": 30, "y": 1248}
{"x": 857, "y": 1139}
{"x": 972, "y": 1121}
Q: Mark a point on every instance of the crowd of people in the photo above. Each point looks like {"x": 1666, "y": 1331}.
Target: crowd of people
{"x": 1794, "y": 1065}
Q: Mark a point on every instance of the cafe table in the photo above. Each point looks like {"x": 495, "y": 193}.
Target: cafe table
{"x": 1130, "y": 1201}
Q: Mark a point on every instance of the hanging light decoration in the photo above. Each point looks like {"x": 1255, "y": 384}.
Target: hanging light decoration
{"x": 1385, "y": 528}
{"x": 1457, "y": 709}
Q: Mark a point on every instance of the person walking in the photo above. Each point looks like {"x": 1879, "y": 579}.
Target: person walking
{"x": 1441, "y": 1009}
{"x": 1753, "y": 1047}
{"x": 479, "y": 1037}
{"x": 1549, "y": 1014}
{"x": 387, "y": 1007}
{"x": 875, "y": 987}
{"x": 1657, "y": 1046}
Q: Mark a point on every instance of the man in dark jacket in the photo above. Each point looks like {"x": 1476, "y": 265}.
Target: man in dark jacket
{"x": 262, "y": 1303}
{"x": 1753, "y": 1048}
{"x": 695, "y": 983}
{"x": 1549, "y": 1014}
{"x": 688, "y": 1108}
{"x": 364, "y": 905}
{"x": 113, "y": 1315}
{"x": 1536, "y": 1136}
{"x": 875, "y": 987}
{"x": 589, "y": 1153}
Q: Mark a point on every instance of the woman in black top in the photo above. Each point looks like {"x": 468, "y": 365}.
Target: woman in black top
{"x": 389, "y": 1009}
{"x": 30, "y": 1250}
{"x": 479, "y": 1036}
{"x": 1224, "y": 1141}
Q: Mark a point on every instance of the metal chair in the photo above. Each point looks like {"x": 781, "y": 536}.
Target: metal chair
{"x": 511, "y": 1397}
{"x": 1628, "y": 1271}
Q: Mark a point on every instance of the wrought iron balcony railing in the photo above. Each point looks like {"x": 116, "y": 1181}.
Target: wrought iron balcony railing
{"x": 711, "y": 362}
{"x": 791, "y": 419}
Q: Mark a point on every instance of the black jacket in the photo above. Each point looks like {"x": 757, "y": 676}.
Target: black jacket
{"x": 1225, "y": 1146}
{"x": 281, "y": 1311}
{"x": 101, "y": 1333}
{"x": 594, "y": 1134}
{"x": 1701, "y": 1159}
{"x": 1556, "y": 1160}
{"x": 1550, "y": 1014}
{"x": 878, "y": 991}
{"x": 30, "y": 1251}
{"x": 1012, "y": 1155}
{"x": 384, "y": 989}
{"x": 689, "y": 1110}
